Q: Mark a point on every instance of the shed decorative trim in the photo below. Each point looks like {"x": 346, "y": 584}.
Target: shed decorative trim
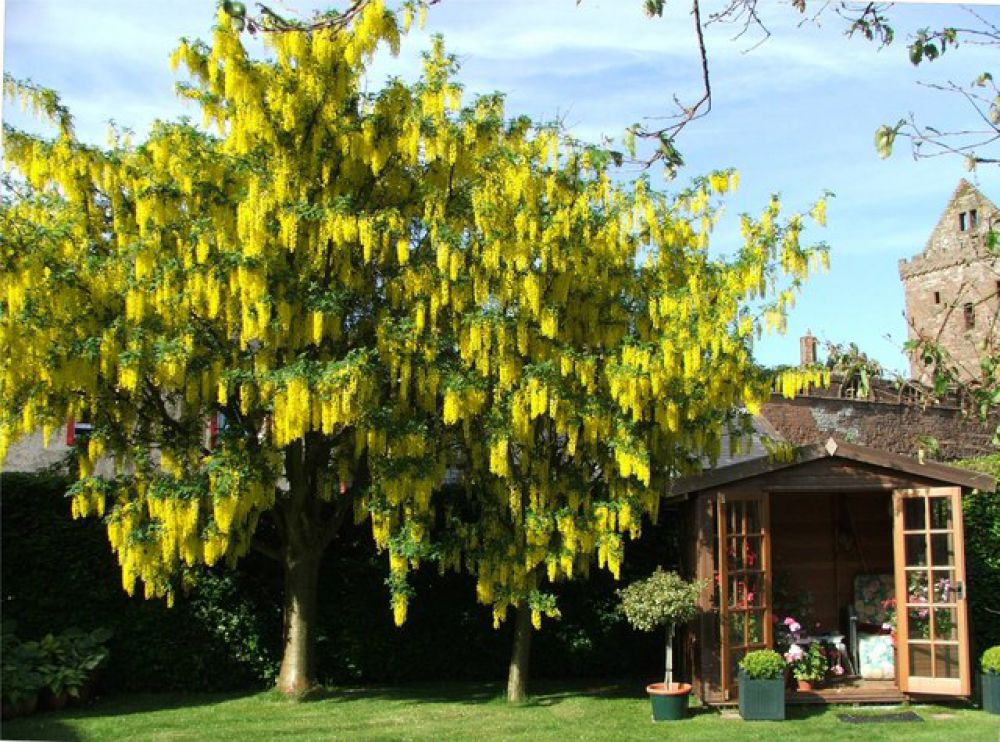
{"x": 683, "y": 486}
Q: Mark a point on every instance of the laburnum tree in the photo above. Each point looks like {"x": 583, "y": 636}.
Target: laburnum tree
{"x": 369, "y": 296}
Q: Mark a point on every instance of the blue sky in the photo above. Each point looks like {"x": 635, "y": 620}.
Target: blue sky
{"x": 795, "y": 116}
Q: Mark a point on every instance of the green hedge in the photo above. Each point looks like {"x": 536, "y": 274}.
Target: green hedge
{"x": 58, "y": 572}
{"x": 982, "y": 554}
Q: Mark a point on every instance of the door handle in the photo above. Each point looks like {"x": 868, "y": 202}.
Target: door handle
{"x": 960, "y": 590}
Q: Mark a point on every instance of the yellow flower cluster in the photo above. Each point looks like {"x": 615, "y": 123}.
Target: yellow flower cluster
{"x": 410, "y": 291}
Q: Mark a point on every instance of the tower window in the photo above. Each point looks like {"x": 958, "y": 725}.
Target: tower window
{"x": 970, "y": 316}
{"x": 968, "y": 220}
{"x": 937, "y": 297}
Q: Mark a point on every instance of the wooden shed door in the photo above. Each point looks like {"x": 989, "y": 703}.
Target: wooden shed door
{"x": 744, "y": 579}
{"x": 932, "y": 630}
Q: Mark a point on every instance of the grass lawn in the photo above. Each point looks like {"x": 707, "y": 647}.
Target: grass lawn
{"x": 558, "y": 711}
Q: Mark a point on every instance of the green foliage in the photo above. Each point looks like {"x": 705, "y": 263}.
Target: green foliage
{"x": 811, "y": 666}
{"x": 855, "y": 367}
{"x": 991, "y": 660}
{"x": 663, "y": 598}
{"x": 221, "y": 636}
{"x": 229, "y": 623}
{"x": 86, "y": 650}
{"x": 21, "y": 676}
{"x": 61, "y": 663}
{"x": 763, "y": 664}
{"x": 885, "y": 137}
{"x": 929, "y": 45}
{"x": 982, "y": 553}
{"x": 653, "y": 8}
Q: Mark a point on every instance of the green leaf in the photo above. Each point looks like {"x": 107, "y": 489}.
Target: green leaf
{"x": 653, "y": 8}
{"x": 885, "y": 136}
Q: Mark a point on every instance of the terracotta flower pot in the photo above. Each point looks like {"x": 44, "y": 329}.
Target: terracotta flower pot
{"x": 669, "y": 703}
{"x": 805, "y": 686}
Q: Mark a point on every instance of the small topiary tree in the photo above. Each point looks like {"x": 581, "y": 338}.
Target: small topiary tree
{"x": 662, "y": 599}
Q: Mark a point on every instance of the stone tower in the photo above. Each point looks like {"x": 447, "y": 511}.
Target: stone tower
{"x": 952, "y": 287}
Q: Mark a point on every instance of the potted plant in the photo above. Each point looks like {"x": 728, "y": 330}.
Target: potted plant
{"x": 808, "y": 665}
{"x": 762, "y": 686}
{"x": 663, "y": 599}
{"x": 59, "y": 679}
{"x": 87, "y": 654}
{"x": 990, "y": 663}
{"x": 21, "y": 679}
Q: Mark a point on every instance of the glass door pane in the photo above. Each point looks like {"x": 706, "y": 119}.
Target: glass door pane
{"x": 932, "y": 628}
{"x": 744, "y": 581}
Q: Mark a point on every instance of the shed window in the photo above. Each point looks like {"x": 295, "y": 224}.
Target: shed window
{"x": 968, "y": 220}
{"x": 970, "y": 316}
{"x": 937, "y": 297}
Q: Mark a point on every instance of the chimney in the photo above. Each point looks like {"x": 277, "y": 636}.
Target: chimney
{"x": 807, "y": 349}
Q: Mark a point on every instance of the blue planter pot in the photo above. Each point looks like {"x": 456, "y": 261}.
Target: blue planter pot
{"x": 991, "y": 693}
{"x": 762, "y": 700}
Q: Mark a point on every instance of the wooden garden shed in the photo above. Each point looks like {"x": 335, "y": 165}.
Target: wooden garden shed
{"x": 836, "y": 532}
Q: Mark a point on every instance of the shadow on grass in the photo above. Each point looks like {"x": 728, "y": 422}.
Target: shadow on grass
{"x": 49, "y": 724}
{"x": 541, "y": 693}
{"x": 36, "y": 727}
{"x": 463, "y": 692}
{"x": 61, "y": 725}
{"x": 552, "y": 692}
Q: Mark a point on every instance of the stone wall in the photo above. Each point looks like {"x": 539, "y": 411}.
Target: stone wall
{"x": 29, "y": 454}
{"x": 954, "y": 283}
{"x": 893, "y": 427}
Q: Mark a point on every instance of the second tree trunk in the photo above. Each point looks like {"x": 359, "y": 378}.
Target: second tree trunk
{"x": 520, "y": 658}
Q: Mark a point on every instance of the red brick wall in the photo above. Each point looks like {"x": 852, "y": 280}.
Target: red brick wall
{"x": 894, "y": 427}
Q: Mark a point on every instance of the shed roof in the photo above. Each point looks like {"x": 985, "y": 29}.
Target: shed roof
{"x": 832, "y": 448}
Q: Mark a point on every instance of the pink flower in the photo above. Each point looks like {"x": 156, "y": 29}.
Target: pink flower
{"x": 837, "y": 670}
{"x": 793, "y": 625}
{"x": 794, "y": 653}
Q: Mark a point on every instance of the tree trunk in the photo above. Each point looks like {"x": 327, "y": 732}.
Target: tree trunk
{"x": 301, "y": 580}
{"x": 520, "y": 658}
{"x": 668, "y": 675}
